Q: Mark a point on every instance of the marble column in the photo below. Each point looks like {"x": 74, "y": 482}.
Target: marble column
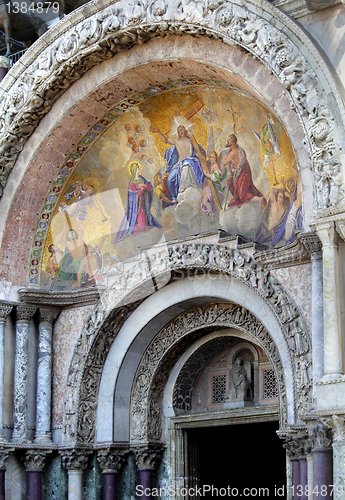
{"x": 303, "y": 477}
{"x": 5, "y": 310}
{"x": 4, "y": 65}
{"x": 4, "y": 454}
{"x": 331, "y": 307}
{"x": 20, "y": 410}
{"x": 111, "y": 461}
{"x": 44, "y": 373}
{"x": 297, "y": 445}
{"x": 321, "y": 437}
{"x": 75, "y": 461}
{"x": 146, "y": 457}
{"x": 317, "y": 311}
{"x": 34, "y": 464}
{"x": 337, "y": 424}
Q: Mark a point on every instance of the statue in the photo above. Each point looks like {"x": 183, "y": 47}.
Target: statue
{"x": 241, "y": 393}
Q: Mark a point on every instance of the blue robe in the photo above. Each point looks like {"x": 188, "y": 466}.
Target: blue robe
{"x": 128, "y": 222}
{"x": 174, "y": 168}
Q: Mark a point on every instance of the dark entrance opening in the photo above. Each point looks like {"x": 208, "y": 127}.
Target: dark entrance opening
{"x": 246, "y": 460}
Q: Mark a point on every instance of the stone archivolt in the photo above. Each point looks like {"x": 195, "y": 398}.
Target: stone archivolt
{"x": 108, "y": 28}
{"x": 110, "y": 314}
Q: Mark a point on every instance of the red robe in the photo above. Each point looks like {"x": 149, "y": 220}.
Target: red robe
{"x": 242, "y": 189}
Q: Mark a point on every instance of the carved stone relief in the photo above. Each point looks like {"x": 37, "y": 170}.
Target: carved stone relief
{"x": 119, "y": 26}
{"x": 107, "y": 318}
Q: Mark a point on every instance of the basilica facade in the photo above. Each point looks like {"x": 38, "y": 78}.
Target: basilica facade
{"x": 172, "y": 253}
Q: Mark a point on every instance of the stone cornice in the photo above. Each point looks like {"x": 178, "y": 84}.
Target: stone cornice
{"x": 47, "y": 298}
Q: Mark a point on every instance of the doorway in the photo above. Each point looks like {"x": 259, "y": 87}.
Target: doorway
{"x": 245, "y": 460}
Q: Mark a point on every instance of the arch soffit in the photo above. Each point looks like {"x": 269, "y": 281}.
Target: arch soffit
{"x": 249, "y": 285}
{"x": 102, "y": 28}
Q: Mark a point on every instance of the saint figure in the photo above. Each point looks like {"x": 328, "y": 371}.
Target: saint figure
{"x": 138, "y": 218}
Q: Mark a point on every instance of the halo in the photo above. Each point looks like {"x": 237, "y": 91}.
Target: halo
{"x": 132, "y": 163}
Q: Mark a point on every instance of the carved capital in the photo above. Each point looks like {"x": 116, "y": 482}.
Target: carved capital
{"x": 147, "y": 456}
{"x": 111, "y": 459}
{"x": 320, "y": 435}
{"x": 75, "y": 459}
{"x": 48, "y": 316}
{"x": 34, "y": 460}
{"x": 5, "y": 310}
{"x": 328, "y": 234}
{"x": 4, "y": 454}
{"x": 24, "y": 313}
{"x": 337, "y": 424}
{"x": 340, "y": 227}
{"x": 296, "y": 444}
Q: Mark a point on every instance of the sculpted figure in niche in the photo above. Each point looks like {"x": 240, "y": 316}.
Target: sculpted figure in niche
{"x": 240, "y": 381}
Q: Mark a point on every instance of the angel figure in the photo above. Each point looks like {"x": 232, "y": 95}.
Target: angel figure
{"x": 83, "y": 195}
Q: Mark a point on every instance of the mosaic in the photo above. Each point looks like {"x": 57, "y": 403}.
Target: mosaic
{"x": 178, "y": 159}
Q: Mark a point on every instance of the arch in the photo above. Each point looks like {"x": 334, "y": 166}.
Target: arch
{"x": 134, "y": 326}
{"x": 152, "y": 373}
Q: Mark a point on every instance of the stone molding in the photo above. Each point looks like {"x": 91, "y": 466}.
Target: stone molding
{"x": 109, "y": 315}
{"x": 104, "y": 27}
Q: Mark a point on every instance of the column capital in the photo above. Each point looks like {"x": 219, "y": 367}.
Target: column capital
{"x": 327, "y": 233}
{"x": 34, "y": 460}
{"x": 319, "y": 434}
{"x": 336, "y": 424}
{"x": 147, "y": 455}
{"x": 4, "y": 454}
{"x": 296, "y": 443}
{"x": 48, "y": 315}
{"x": 5, "y": 310}
{"x": 76, "y": 459}
{"x": 24, "y": 313}
{"x": 111, "y": 459}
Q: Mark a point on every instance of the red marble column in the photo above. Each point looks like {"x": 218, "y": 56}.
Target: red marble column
{"x": 34, "y": 485}
{"x": 2, "y": 484}
{"x": 322, "y": 473}
{"x": 110, "y": 480}
{"x": 146, "y": 482}
{"x": 303, "y": 476}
